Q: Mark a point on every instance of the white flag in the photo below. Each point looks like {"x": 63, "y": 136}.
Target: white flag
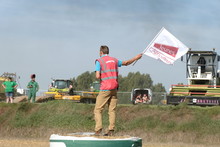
{"x": 165, "y": 47}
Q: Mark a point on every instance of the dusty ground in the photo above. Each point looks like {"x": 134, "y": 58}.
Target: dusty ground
{"x": 23, "y": 143}
{"x": 45, "y": 143}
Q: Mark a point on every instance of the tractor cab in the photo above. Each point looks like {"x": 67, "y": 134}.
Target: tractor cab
{"x": 141, "y": 96}
{"x": 95, "y": 86}
{"x": 60, "y": 85}
{"x": 202, "y": 68}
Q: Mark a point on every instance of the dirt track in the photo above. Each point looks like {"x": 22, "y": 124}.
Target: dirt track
{"x": 23, "y": 143}
{"x": 45, "y": 143}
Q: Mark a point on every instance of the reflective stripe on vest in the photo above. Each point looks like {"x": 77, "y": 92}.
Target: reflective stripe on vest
{"x": 107, "y": 78}
{"x": 110, "y": 70}
{"x": 103, "y": 63}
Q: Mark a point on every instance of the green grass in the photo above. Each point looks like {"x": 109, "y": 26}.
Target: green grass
{"x": 152, "y": 122}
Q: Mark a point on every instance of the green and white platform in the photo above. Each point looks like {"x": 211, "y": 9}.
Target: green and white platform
{"x": 87, "y": 139}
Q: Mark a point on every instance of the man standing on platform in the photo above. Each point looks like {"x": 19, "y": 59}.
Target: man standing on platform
{"x": 107, "y": 72}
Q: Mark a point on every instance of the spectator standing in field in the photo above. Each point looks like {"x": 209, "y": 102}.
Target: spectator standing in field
{"x": 9, "y": 87}
{"x": 107, "y": 72}
{"x": 33, "y": 88}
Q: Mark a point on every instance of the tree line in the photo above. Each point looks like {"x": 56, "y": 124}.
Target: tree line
{"x": 126, "y": 83}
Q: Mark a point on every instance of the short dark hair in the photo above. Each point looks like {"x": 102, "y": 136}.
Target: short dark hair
{"x": 104, "y": 49}
{"x": 33, "y": 76}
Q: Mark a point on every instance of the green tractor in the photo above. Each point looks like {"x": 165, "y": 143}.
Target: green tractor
{"x": 95, "y": 86}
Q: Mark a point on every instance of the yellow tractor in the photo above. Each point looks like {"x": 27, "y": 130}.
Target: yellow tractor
{"x": 58, "y": 88}
{"x": 61, "y": 89}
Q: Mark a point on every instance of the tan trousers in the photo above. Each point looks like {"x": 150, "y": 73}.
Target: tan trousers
{"x": 110, "y": 98}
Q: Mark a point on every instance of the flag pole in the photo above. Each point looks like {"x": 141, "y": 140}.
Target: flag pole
{"x": 150, "y": 43}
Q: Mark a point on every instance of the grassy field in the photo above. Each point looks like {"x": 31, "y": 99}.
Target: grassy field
{"x": 154, "y": 124}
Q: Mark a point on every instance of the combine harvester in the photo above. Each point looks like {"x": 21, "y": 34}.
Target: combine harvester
{"x": 203, "y": 76}
{"x": 61, "y": 89}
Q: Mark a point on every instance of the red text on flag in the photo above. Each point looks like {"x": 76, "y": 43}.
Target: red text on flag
{"x": 170, "y": 50}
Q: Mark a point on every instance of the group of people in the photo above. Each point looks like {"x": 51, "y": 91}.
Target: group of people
{"x": 10, "y": 86}
{"x": 141, "y": 99}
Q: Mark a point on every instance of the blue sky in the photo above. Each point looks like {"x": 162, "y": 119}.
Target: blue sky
{"x": 61, "y": 38}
